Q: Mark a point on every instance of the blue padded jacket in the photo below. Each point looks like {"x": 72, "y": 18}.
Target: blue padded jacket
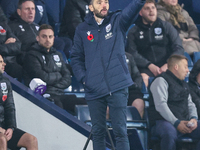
{"x": 98, "y": 54}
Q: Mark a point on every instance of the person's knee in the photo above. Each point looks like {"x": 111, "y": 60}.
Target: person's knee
{"x": 3, "y": 141}
{"x": 28, "y": 141}
{"x": 144, "y": 76}
{"x": 32, "y": 140}
{"x": 138, "y": 103}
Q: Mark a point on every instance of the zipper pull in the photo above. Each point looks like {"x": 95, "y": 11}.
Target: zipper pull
{"x": 110, "y": 94}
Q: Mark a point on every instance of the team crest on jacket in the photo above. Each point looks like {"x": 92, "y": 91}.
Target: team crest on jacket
{"x": 56, "y": 57}
{"x": 4, "y": 91}
{"x": 57, "y": 60}
{"x": 3, "y": 86}
{"x": 108, "y": 28}
{"x": 41, "y": 10}
{"x": 158, "y": 30}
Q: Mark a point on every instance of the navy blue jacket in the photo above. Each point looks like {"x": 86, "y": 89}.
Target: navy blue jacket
{"x": 100, "y": 62}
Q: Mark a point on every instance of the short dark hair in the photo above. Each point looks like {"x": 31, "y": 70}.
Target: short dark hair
{"x": 174, "y": 59}
{"x": 23, "y": 1}
{"x": 150, "y": 1}
{"x": 45, "y": 26}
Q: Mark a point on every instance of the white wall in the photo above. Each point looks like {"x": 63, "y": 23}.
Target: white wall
{"x": 52, "y": 134}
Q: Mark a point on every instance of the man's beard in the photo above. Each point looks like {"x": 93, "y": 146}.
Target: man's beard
{"x": 99, "y": 15}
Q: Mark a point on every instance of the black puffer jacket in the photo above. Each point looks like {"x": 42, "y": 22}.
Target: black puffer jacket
{"x": 11, "y": 50}
{"x": 74, "y": 13}
{"x": 7, "y": 107}
{"x": 25, "y": 32}
{"x": 195, "y": 86}
{"x": 153, "y": 44}
{"x": 49, "y": 67}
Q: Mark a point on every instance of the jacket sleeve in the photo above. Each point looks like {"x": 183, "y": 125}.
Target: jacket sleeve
{"x": 192, "y": 29}
{"x": 11, "y": 49}
{"x": 132, "y": 49}
{"x": 65, "y": 81}
{"x": 9, "y": 108}
{"x": 192, "y": 108}
{"x": 159, "y": 90}
{"x": 175, "y": 41}
{"x": 33, "y": 67}
{"x": 78, "y": 58}
{"x": 130, "y": 13}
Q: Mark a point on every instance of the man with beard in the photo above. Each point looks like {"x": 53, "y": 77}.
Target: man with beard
{"x": 152, "y": 41}
{"x": 98, "y": 61}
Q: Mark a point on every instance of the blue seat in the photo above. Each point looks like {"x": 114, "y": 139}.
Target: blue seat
{"x": 190, "y": 62}
{"x": 183, "y": 142}
{"x": 196, "y": 57}
{"x": 134, "y": 123}
{"x": 198, "y": 27}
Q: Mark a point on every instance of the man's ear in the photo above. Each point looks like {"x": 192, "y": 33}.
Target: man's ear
{"x": 19, "y": 12}
{"x": 91, "y": 8}
{"x": 140, "y": 13}
{"x": 176, "y": 67}
{"x": 37, "y": 38}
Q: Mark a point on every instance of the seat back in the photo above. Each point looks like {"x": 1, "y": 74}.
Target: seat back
{"x": 190, "y": 62}
{"x": 196, "y": 57}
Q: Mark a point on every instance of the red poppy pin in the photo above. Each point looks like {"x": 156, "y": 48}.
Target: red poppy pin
{"x": 90, "y": 37}
{"x": 4, "y": 97}
{"x": 2, "y": 30}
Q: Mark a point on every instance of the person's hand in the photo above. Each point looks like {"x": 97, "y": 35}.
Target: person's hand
{"x": 2, "y": 130}
{"x": 164, "y": 68}
{"x": 182, "y": 127}
{"x": 8, "y": 134}
{"x": 10, "y": 40}
{"x": 189, "y": 39}
{"x": 154, "y": 69}
{"x": 194, "y": 124}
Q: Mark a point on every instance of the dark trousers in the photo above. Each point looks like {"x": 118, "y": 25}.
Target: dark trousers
{"x": 169, "y": 134}
{"x": 117, "y": 103}
{"x": 68, "y": 102}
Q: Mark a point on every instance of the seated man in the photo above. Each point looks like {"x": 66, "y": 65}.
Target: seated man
{"x": 10, "y": 6}
{"x": 25, "y": 29}
{"x": 151, "y": 41}
{"x": 194, "y": 84}
{"x": 172, "y": 12}
{"x": 171, "y": 111}
{"x": 135, "y": 95}
{"x": 10, "y": 49}
{"x": 44, "y": 62}
{"x": 74, "y": 13}
{"x": 10, "y": 136}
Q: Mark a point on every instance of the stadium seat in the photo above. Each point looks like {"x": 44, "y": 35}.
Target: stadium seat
{"x": 183, "y": 143}
{"x": 198, "y": 26}
{"x": 134, "y": 123}
{"x": 190, "y": 62}
{"x": 196, "y": 57}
